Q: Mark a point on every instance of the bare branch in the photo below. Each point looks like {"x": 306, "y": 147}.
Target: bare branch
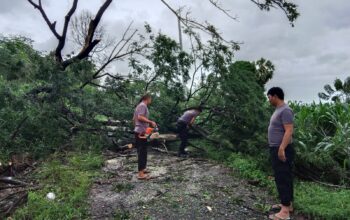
{"x": 79, "y": 30}
{"x": 215, "y": 3}
{"x": 62, "y": 41}
{"x": 117, "y": 77}
{"x": 61, "y": 38}
{"x": 52, "y": 25}
{"x": 193, "y": 24}
{"x": 90, "y": 42}
{"x": 118, "y": 52}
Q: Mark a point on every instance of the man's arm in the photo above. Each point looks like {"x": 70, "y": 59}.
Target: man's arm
{"x": 146, "y": 120}
{"x": 287, "y": 137}
{"x": 193, "y": 119}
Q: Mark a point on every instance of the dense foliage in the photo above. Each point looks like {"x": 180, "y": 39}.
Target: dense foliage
{"x": 239, "y": 97}
{"x": 44, "y": 109}
{"x": 322, "y": 139}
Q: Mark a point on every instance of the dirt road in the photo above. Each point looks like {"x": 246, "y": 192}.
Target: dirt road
{"x": 180, "y": 189}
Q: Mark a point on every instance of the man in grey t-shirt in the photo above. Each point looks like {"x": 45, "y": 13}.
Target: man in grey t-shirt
{"x": 183, "y": 122}
{"x": 280, "y": 134}
{"x": 141, "y": 122}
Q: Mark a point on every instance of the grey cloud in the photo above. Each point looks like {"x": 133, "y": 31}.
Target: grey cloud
{"x": 7, "y": 6}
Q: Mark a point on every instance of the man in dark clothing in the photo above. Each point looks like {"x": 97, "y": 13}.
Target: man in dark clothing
{"x": 183, "y": 123}
{"x": 280, "y": 134}
{"x": 141, "y": 123}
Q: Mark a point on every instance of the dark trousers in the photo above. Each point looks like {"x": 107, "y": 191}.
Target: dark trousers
{"x": 141, "y": 146}
{"x": 183, "y": 134}
{"x": 283, "y": 172}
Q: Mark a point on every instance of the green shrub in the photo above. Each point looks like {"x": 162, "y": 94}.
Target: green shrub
{"x": 70, "y": 178}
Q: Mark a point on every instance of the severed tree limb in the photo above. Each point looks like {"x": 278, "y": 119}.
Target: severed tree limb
{"x": 205, "y": 134}
{"x": 11, "y": 202}
{"x": 10, "y": 180}
{"x": 196, "y": 147}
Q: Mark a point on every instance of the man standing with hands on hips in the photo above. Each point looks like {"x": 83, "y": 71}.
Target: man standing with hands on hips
{"x": 280, "y": 134}
{"x": 141, "y": 122}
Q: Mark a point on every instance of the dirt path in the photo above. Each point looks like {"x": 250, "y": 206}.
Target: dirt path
{"x": 181, "y": 189}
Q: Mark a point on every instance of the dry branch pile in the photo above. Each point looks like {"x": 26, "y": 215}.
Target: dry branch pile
{"x": 13, "y": 189}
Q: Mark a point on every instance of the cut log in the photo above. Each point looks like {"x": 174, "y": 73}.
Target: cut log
{"x": 11, "y": 180}
{"x": 167, "y": 137}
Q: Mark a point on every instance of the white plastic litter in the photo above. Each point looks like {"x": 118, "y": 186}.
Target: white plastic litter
{"x": 209, "y": 208}
{"x": 51, "y": 196}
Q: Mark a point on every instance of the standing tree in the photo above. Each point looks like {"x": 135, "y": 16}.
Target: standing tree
{"x": 264, "y": 70}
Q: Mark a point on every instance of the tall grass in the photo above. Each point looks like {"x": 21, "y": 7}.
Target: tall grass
{"x": 322, "y": 137}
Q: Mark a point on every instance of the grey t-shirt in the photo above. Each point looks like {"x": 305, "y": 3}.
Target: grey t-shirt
{"x": 188, "y": 116}
{"x": 141, "y": 109}
{"x": 282, "y": 115}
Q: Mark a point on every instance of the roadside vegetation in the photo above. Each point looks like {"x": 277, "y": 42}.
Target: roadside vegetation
{"x": 69, "y": 177}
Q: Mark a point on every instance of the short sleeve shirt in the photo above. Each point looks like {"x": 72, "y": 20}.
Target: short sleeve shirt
{"x": 282, "y": 115}
{"x": 188, "y": 116}
{"x": 141, "y": 109}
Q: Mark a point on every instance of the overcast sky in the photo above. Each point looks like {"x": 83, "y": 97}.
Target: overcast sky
{"x": 313, "y": 53}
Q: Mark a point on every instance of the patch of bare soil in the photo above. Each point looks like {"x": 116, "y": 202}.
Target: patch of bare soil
{"x": 180, "y": 189}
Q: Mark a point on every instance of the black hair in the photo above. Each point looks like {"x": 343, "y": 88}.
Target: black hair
{"x": 198, "y": 108}
{"x": 145, "y": 97}
{"x": 276, "y": 91}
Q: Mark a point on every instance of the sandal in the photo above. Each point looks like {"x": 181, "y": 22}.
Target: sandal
{"x": 277, "y": 208}
{"x": 275, "y": 217}
{"x": 146, "y": 171}
{"x": 145, "y": 177}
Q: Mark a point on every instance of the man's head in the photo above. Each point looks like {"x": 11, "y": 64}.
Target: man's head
{"x": 147, "y": 99}
{"x": 199, "y": 109}
{"x": 275, "y": 96}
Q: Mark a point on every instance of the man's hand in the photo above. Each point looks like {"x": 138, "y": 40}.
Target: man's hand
{"x": 153, "y": 124}
{"x": 146, "y": 120}
{"x": 282, "y": 154}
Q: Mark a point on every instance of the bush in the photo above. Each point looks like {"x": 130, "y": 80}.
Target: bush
{"x": 240, "y": 111}
{"x": 42, "y": 107}
{"x": 54, "y": 175}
